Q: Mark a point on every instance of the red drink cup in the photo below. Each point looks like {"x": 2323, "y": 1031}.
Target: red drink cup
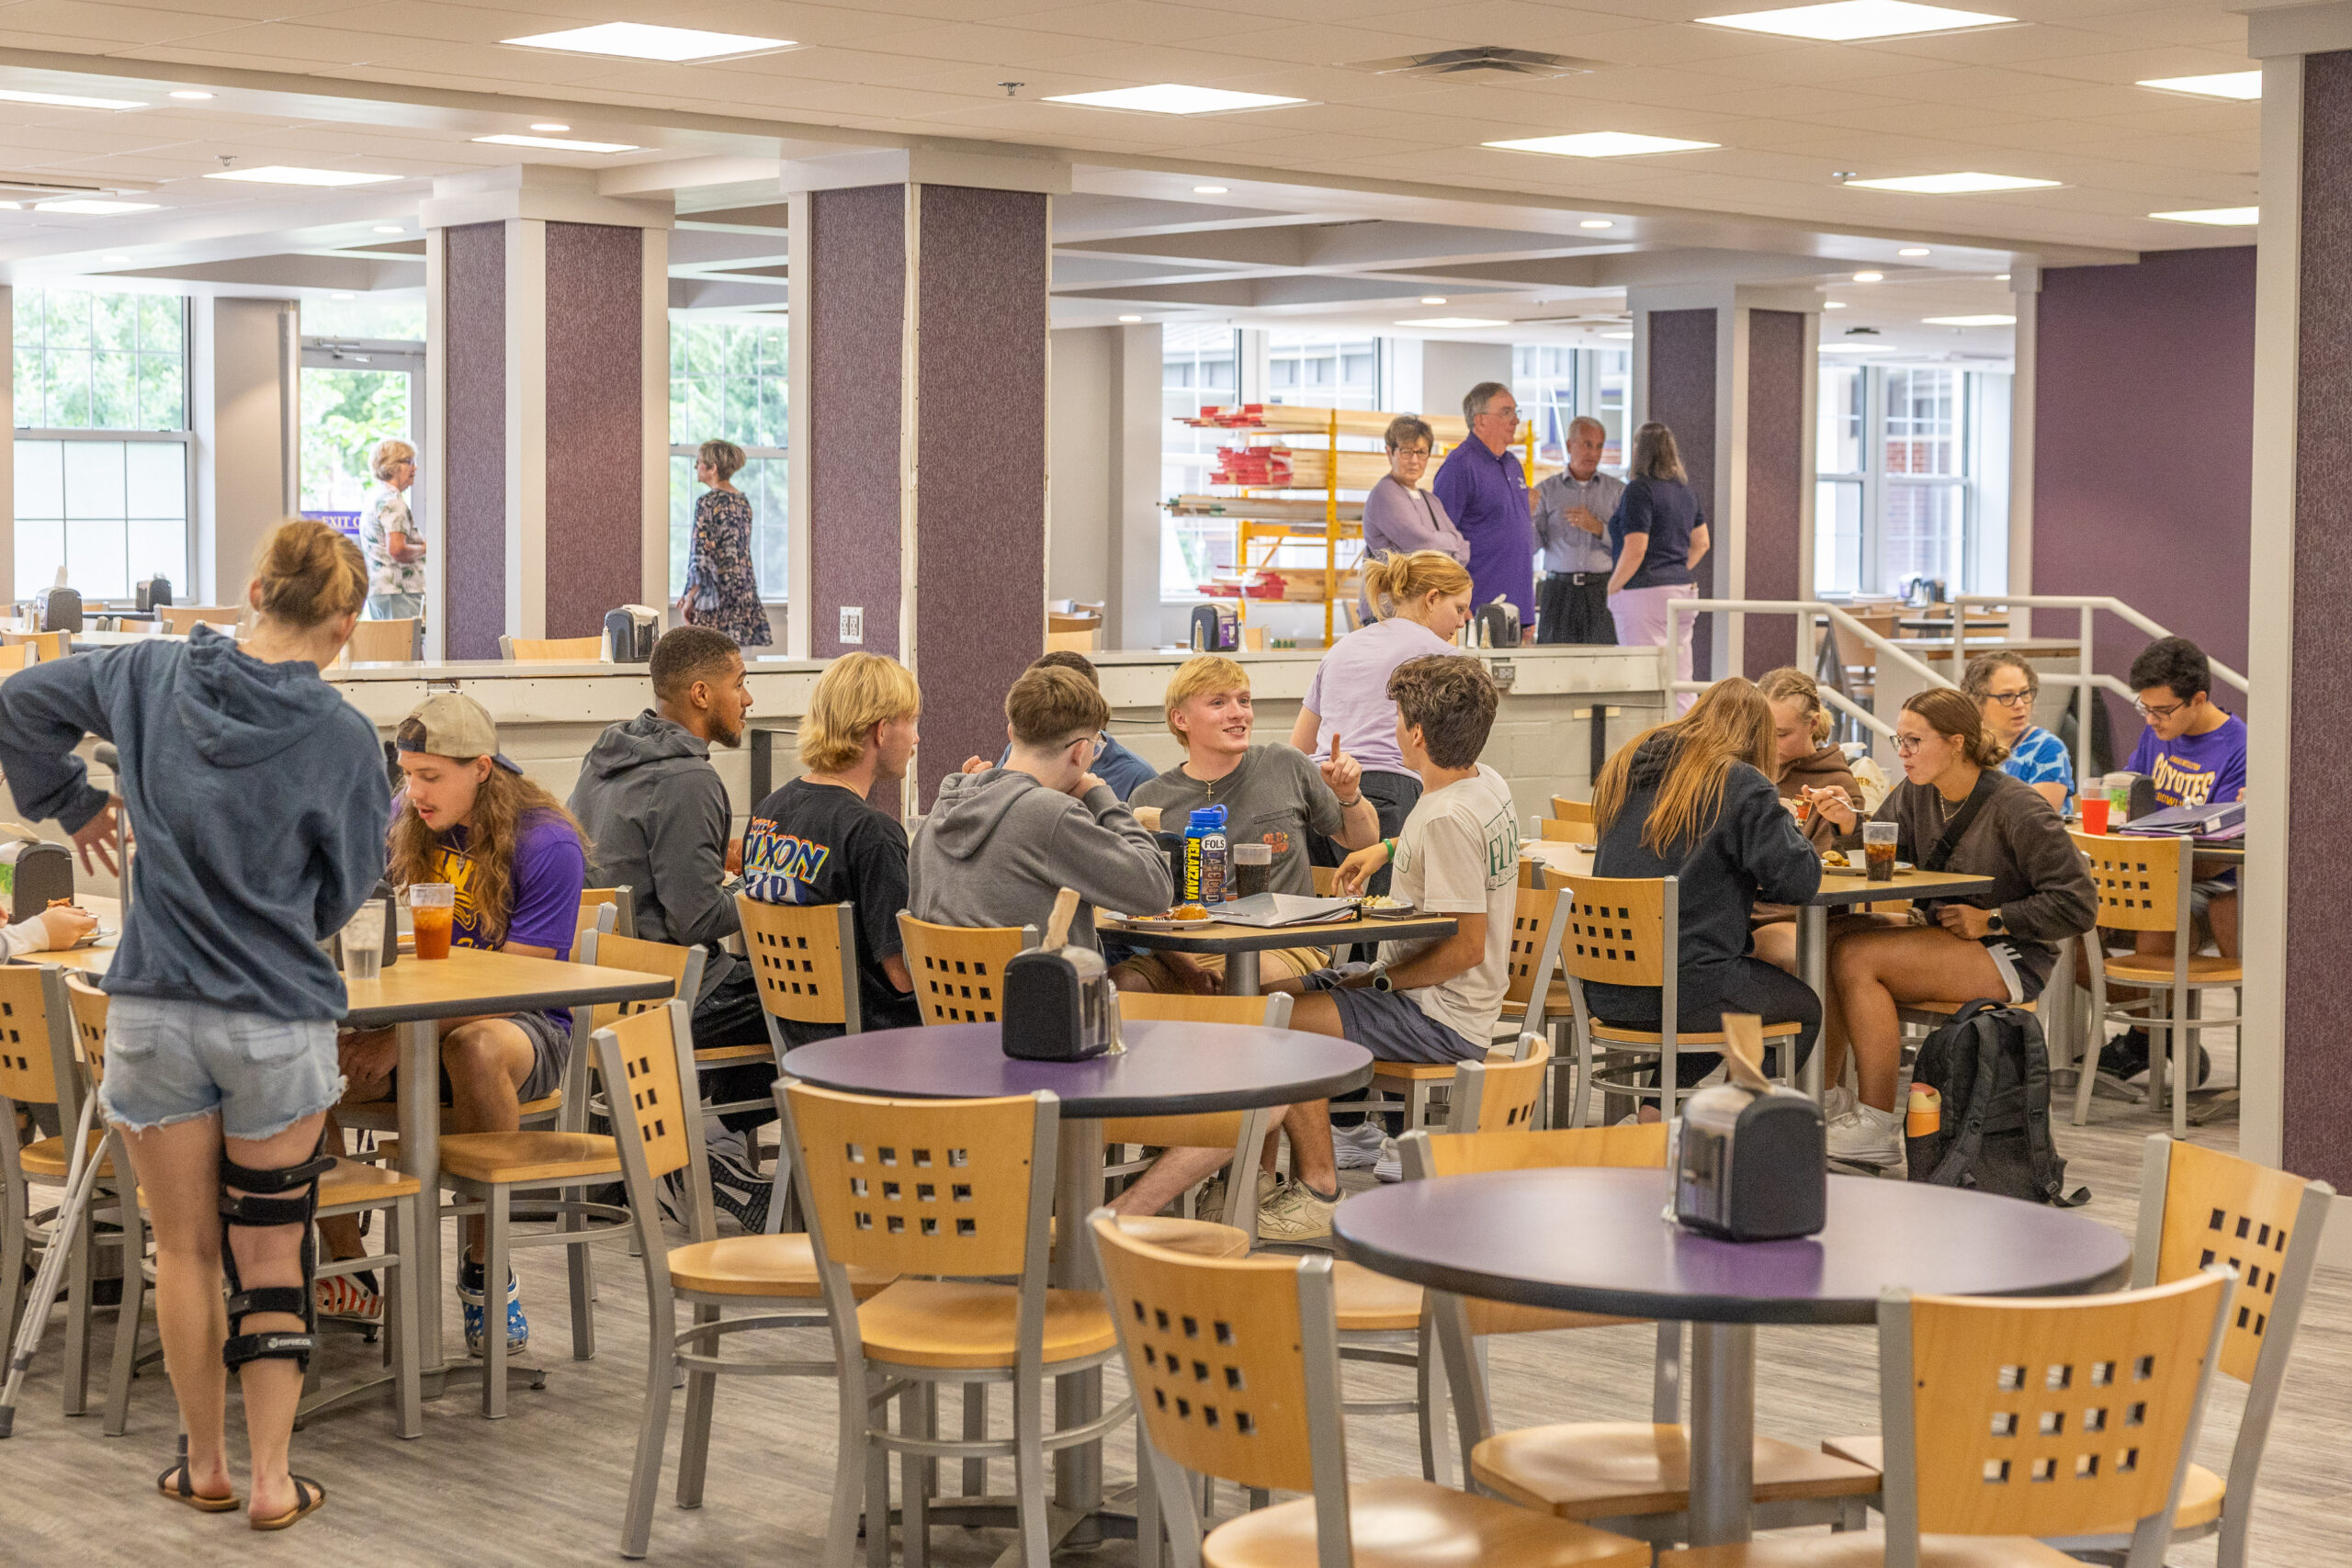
{"x": 2094, "y": 809}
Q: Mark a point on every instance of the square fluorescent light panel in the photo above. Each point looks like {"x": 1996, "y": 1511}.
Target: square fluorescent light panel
{"x": 280, "y": 175}
{"x": 1952, "y": 184}
{"x": 558, "y": 143}
{"x": 1848, "y": 21}
{"x": 2217, "y": 217}
{"x": 641, "y": 41}
{"x": 1600, "y": 144}
{"x": 2241, "y": 84}
{"x": 69, "y": 101}
{"x": 1969, "y": 321}
{"x": 1173, "y": 97}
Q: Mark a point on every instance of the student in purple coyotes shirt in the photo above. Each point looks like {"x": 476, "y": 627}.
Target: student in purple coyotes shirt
{"x": 1484, "y": 489}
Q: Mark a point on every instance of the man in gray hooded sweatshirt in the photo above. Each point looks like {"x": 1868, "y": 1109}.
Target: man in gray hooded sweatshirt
{"x": 1001, "y": 843}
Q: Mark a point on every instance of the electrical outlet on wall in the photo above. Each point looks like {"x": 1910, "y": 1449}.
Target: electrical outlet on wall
{"x": 853, "y": 623}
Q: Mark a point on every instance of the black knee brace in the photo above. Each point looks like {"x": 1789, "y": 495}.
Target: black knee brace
{"x": 261, "y": 1206}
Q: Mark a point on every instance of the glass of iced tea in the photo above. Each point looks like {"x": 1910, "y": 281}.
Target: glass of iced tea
{"x": 434, "y": 906}
{"x": 1878, "y": 848}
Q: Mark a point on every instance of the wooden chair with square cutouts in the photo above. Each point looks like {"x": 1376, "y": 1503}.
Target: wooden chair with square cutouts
{"x": 952, "y": 1197}
{"x": 2144, "y": 884}
{"x": 2198, "y": 1207}
{"x": 1567, "y": 831}
{"x": 804, "y": 962}
{"x": 1619, "y": 932}
{"x": 1231, "y": 1232}
{"x": 1626, "y": 1476}
{"x": 1236, "y": 1367}
{"x": 2011, "y": 1423}
{"x": 958, "y": 971}
{"x": 1569, "y": 811}
{"x": 551, "y": 650}
{"x": 609, "y": 910}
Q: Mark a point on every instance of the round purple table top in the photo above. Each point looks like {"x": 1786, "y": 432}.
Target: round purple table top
{"x": 1596, "y": 1240}
{"x": 1168, "y": 1069}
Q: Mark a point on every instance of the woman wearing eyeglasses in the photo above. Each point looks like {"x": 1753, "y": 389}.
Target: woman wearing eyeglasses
{"x": 1400, "y": 516}
{"x": 2006, "y": 688}
{"x": 1956, "y": 811}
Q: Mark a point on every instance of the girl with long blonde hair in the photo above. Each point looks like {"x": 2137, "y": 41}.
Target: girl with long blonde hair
{"x": 1692, "y": 799}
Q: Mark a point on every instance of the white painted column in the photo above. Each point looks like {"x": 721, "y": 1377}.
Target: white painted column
{"x": 1132, "y": 616}
{"x": 801, "y": 594}
{"x": 238, "y": 400}
{"x": 653, "y": 294}
{"x": 526, "y": 427}
{"x": 2025, "y": 288}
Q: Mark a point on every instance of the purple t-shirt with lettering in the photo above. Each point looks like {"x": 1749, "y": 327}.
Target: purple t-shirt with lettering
{"x": 550, "y": 869}
{"x": 2195, "y": 770}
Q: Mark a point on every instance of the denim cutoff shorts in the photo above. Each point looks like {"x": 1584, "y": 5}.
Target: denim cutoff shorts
{"x": 174, "y": 1061}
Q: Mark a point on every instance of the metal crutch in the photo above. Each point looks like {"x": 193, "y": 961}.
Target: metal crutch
{"x": 82, "y": 1175}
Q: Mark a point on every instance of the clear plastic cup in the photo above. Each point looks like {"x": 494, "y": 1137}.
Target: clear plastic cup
{"x": 433, "y": 907}
{"x": 1253, "y": 869}
{"x": 1879, "y": 845}
{"x": 363, "y": 943}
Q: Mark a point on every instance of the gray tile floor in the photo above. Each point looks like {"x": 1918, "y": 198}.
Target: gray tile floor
{"x": 547, "y": 1485}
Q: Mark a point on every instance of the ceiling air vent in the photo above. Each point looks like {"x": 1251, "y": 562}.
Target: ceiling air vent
{"x": 1489, "y": 57}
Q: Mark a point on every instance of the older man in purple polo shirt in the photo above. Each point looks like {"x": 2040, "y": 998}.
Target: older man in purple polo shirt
{"x": 1484, "y": 489}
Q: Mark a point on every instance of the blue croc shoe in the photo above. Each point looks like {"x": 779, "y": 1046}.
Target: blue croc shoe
{"x": 469, "y": 1297}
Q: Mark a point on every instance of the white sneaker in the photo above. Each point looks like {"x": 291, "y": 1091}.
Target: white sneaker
{"x": 1867, "y": 1135}
{"x": 1358, "y": 1148}
{"x": 1837, "y": 1102}
{"x": 1295, "y": 1214}
{"x": 1210, "y": 1204}
{"x": 1390, "y": 1167}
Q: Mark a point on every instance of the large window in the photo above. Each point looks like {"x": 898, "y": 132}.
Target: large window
{"x": 1319, "y": 370}
{"x": 1912, "y": 465}
{"x": 1556, "y": 385}
{"x": 730, "y": 380}
{"x": 1200, "y": 367}
{"x": 101, "y": 440}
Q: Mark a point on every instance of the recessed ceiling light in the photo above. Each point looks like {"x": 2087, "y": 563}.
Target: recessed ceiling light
{"x": 1451, "y": 321}
{"x": 2000, "y": 277}
{"x": 1969, "y": 321}
{"x": 1131, "y": 318}
{"x": 1600, "y": 144}
{"x": 1846, "y": 20}
{"x": 1173, "y": 97}
{"x": 281, "y": 174}
{"x": 1432, "y": 298}
{"x": 2217, "y": 217}
{"x": 342, "y": 296}
{"x": 1616, "y": 334}
{"x": 1914, "y": 251}
{"x": 1868, "y": 276}
{"x": 558, "y": 143}
{"x": 69, "y": 100}
{"x": 1208, "y": 190}
{"x": 1952, "y": 184}
{"x": 1832, "y": 304}
{"x": 193, "y": 97}
{"x": 110, "y": 260}
{"x": 1596, "y": 223}
{"x": 92, "y": 205}
{"x": 390, "y": 229}
{"x": 2241, "y": 84}
{"x": 549, "y": 124}
{"x": 1857, "y": 348}
{"x": 640, "y": 41}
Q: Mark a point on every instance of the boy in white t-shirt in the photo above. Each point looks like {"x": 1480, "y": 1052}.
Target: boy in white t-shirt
{"x": 1438, "y": 1000}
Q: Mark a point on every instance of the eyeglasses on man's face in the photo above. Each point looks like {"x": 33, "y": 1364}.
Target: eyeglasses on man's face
{"x": 2160, "y": 712}
{"x": 1508, "y": 414}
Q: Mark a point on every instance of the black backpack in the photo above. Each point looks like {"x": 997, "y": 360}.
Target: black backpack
{"x": 1992, "y": 1068}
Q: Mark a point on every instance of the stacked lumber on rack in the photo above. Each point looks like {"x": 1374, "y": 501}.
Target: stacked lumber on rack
{"x": 1296, "y": 467}
{"x": 1300, "y": 509}
{"x": 1284, "y": 418}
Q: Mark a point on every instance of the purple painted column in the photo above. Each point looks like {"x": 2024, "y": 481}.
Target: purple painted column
{"x": 473, "y": 476}
{"x": 1683, "y": 398}
{"x": 1778, "y": 426}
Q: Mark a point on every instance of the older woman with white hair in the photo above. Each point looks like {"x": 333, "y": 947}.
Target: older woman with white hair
{"x": 395, "y": 550}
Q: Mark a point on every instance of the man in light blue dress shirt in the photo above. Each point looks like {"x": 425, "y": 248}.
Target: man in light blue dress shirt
{"x": 1572, "y": 512}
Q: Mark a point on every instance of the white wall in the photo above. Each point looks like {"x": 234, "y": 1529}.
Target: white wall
{"x": 1450, "y": 369}
{"x": 1078, "y": 456}
{"x": 236, "y": 391}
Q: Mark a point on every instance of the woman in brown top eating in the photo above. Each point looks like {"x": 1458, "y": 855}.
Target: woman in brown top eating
{"x": 1956, "y": 812}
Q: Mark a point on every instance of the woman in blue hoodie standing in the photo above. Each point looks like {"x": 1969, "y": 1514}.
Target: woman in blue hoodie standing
{"x": 1693, "y": 800}
{"x": 259, "y": 798}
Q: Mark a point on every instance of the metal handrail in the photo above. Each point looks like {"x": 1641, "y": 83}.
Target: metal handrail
{"x": 2111, "y": 604}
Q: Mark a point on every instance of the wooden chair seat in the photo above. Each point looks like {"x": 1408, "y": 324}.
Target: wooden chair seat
{"x": 1866, "y": 1549}
{"x": 1599, "y": 1469}
{"x": 355, "y": 1182}
{"x": 516, "y": 1159}
{"x": 2201, "y": 1491}
{"x": 1413, "y": 1072}
{"x": 1617, "y": 1035}
{"x": 1405, "y": 1522}
{"x": 711, "y": 1054}
{"x": 1558, "y": 1003}
{"x": 2204, "y": 969}
{"x": 1201, "y": 1238}
{"x": 384, "y": 1115}
{"x": 942, "y": 1322}
{"x": 760, "y": 1266}
{"x": 1368, "y": 1302}
{"x": 53, "y": 1157}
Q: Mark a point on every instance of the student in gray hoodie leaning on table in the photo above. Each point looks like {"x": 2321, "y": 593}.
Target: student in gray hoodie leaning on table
{"x": 1001, "y": 843}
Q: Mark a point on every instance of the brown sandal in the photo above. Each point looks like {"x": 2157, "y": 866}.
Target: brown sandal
{"x": 180, "y": 1487}
{"x": 309, "y": 1498}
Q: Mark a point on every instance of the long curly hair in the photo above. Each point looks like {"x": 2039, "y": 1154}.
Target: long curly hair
{"x": 503, "y": 803}
{"x": 1730, "y": 722}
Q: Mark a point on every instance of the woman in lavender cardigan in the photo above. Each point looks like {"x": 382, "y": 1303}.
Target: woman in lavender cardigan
{"x": 1399, "y": 515}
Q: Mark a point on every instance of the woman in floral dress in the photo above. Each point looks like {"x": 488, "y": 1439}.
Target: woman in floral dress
{"x": 722, "y": 593}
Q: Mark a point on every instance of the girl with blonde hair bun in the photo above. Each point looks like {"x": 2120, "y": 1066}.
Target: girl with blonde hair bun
{"x": 1422, "y": 602}
{"x": 1802, "y": 755}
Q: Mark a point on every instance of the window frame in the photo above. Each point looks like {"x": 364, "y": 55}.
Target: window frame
{"x": 1878, "y": 485}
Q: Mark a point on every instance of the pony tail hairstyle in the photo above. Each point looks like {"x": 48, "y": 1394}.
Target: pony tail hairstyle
{"x": 1952, "y": 712}
{"x": 1789, "y": 682}
{"x": 1398, "y": 578}
{"x": 309, "y": 574}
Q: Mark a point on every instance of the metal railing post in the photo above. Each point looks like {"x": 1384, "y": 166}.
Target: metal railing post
{"x": 2086, "y": 694}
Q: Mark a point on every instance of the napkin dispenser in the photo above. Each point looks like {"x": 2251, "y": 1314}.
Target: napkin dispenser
{"x": 61, "y": 610}
{"x": 631, "y": 633}
{"x": 33, "y": 875}
{"x": 153, "y": 593}
{"x": 1498, "y": 624}
{"x": 1059, "y": 1003}
{"x": 1216, "y": 628}
{"x": 1751, "y": 1162}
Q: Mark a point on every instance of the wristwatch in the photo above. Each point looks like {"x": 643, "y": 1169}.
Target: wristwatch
{"x": 1995, "y": 925}
{"x": 1380, "y": 980}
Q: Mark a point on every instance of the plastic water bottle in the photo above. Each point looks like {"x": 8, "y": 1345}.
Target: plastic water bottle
{"x": 1205, "y": 856}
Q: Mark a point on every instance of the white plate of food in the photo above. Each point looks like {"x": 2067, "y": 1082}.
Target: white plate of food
{"x": 1385, "y": 908}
